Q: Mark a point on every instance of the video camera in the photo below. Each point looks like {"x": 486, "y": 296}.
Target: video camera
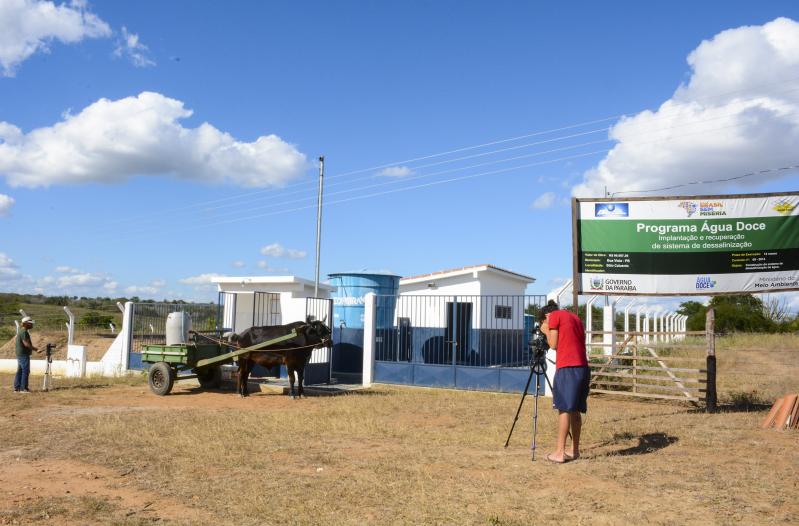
{"x": 48, "y": 351}
{"x": 538, "y": 341}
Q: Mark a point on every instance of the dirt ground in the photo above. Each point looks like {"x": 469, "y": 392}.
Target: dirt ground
{"x": 96, "y": 346}
{"x": 95, "y": 453}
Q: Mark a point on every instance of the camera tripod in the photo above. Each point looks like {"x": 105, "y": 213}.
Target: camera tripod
{"x": 538, "y": 367}
{"x": 48, "y": 369}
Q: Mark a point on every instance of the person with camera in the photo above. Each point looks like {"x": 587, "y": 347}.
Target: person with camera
{"x": 566, "y": 336}
{"x": 25, "y": 348}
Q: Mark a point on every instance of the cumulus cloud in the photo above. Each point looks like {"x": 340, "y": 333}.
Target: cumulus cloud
{"x": 395, "y": 171}
{"x": 129, "y": 46}
{"x": 738, "y": 113}
{"x": 545, "y": 200}
{"x": 239, "y": 264}
{"x": 265, "y": 266}
{"x": 201, "y": 279}
{"x": 6, "y": 202}
{"x": 66, "y": 270}
{"x": 112, "y": 140}
{"x": 135, "y": 290}
{"x": 30, "y": 26}
{"x": 8, "y": 269}
{"x": 81, "y": 280}
{"x": 276, "y": 250}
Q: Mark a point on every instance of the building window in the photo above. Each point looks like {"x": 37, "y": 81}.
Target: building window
{"x": 502, "y": 312}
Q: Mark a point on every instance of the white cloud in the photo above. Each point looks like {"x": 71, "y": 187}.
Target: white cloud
{"x": 265, "y": 266}
{"x": 110, "y": 141}
{"x": 29, "y": 26}
{"x": 130, "y": 46}
{"x": 738, "y": 113}
{"x": 202, "y": 279}
{"x": 276, "y": 250}
{"x": 158, "y": 283}
{"x": 134, "y": 290}
{"x": 239, "y": 264}
{"x": 395, "y": 171}
{"x": 6, "y": 202}
{"x": 8, "y": 269}
{"x": 110, "y": 286}
{"x": 81, "y": 280}
{"x": 544, "y": 200}
{"x": 67, "y": 270}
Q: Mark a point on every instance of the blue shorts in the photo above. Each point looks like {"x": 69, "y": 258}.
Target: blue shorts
{"x": 570, "y": 389}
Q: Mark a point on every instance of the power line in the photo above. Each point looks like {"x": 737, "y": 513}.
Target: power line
{"x": 661, "y": 114}
{"x": 375, "y": 194}
{"x": 727, "y": 179}
{"x": 422, "y": 176}
{"x": 272, "y": 204}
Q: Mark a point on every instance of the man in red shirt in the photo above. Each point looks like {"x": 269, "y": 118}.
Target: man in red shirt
{"x": 566, "y": 336}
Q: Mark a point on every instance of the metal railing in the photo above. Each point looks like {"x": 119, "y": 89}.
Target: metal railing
{"x": 480, "y": 331}
{"x": 149, "y": 321}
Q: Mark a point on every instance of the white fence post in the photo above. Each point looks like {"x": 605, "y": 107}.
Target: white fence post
{"x": 589, "y": 314}
{"x": 70, "y": 326}
{"x": 127, "y": 331}
{"x": 608, "y": 328}
{"x": 369, "y": 332}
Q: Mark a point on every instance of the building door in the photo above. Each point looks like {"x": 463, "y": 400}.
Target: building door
{"x": 457, "y": 336}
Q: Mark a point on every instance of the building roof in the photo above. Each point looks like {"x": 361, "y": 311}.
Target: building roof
{"x": 270, "y": 280}
{"x": 467, "y": 270}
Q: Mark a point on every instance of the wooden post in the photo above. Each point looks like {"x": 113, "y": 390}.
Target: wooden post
{"x": 710, "y": 329}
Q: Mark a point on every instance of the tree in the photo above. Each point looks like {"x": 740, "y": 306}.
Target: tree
{"x": 737, "y": 313}
{"x": 95, "y": 319}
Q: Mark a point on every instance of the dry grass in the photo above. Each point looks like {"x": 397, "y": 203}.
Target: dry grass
{"x": 396, "y": 455}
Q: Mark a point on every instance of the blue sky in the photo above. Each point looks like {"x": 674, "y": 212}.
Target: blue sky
{"x": 181, "y": 137}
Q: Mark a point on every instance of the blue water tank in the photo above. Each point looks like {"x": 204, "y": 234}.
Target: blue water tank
{"x": 348, "y": 312}
{"x": 348, "y": 300}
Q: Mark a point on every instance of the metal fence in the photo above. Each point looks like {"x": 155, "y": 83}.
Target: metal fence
{"x": 466, "y": 342}
{"x": 104, "y": 325}
{"x": 480, "y": 331}
{"x": 265, "y": 309}
{"x": 320, "y": 309}
{"x": 149, "y": 321}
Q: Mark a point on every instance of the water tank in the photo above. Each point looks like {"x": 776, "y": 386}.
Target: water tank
{"x": 348, "y": 299}
{"x": 348, "y": 311}
{"x": 178, "y": 325}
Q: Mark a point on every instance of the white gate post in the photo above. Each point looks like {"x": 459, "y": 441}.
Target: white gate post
{"x": 127, "y": 339}
{"x": 369, "y": 333}
{"x": 588, "y": 322}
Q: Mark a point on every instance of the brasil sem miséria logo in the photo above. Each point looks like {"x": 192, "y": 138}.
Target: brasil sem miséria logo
{"x": 784, "y": 206}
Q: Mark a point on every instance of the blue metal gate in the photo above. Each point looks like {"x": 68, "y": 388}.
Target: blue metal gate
{"x": 462, "y": 342}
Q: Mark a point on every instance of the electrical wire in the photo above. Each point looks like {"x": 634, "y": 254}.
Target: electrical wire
{"x": 405, "y": 180}
{"x": 735, "y": 178}
{"x": 660, "y": 114}
{"x": 650, "y": 132}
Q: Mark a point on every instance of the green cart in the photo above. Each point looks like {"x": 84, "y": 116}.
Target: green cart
{"x": 203, "y": 360}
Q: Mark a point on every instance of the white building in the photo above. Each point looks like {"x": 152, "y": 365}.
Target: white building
{"x": 483, "y": 296}
{"x": 266, "y": 300}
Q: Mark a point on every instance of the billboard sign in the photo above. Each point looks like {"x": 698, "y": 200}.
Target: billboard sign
{"x": 701, "y": 245}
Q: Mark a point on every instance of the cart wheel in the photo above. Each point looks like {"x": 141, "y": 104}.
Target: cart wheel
{"x": 160, "y": 377}
{"x": 210, "y": 377}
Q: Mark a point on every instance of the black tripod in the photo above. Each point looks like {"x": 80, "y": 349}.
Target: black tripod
{"x": 538, "y": 367}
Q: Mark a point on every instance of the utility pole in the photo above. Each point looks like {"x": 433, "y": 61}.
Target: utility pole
{"x": 319, "y": 222}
